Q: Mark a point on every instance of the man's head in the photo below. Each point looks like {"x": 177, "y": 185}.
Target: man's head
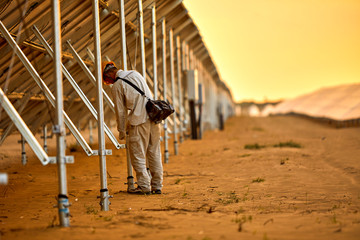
{"x": 109, "y": 72}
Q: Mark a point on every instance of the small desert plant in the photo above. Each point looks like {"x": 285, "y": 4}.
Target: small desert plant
{"x": 254, "y": 146}
{"x": 231, "y": 197}
{"x": 258, "y": 180}
{"x": 242, "y": 220}
{"x": 288, "y": 144}
{"x": 244, "y": 155}
{"x": 91, "y": 210}
{"x": 185, "y": 193}
{"x": 333, "y": 219}
{"x": 282, "y": 161}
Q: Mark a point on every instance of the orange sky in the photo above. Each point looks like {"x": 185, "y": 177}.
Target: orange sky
{"x": 276, "y": 49}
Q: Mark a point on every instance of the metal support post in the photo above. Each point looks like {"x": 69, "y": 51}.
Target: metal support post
{"x": 192, "y": 106}
{"x": 154, "y": 47}
{"x": 142, "y": 40}
{"x": 49, "y": 96}
{"x": 163, "y": 42}
{"x": 179, "y": 87}
{"x": 191, "y": 59}
{"x": 183, "y": 58}
{"x": 172, "y": 76}
{"x": 142, "y": 52}
{"x": 123, "y": 33}
{"x": 187, "y": 60}
{"x": 23, "y": 151}
{"x": 91, "y": 138}
{"x": 63, "y": 203}
{"x": 45, "y": 138}
{"x": 130, "y": 178}
{"x": 104, "y": 192}
{"x": 23, "y": 128}
{"x": 200, "y": 107}
{"x": 187, "y": 117}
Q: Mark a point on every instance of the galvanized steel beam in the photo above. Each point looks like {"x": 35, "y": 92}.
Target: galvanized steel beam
{"x": 123, "y": 33}
{"x": 104, "y": 192}
{"x": 163, "y": 43}
{"x": 154, "y": 48}
{"x": 178, "y": 67}
{"x": 142, "y": 41}
{"x": 59, "y": 128}
{"x": 172, "y": 78}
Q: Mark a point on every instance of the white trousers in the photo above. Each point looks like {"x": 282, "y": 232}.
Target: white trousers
{"x": 144, "y": 143}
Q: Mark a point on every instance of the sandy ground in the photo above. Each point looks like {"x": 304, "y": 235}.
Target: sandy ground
{"x": 214, "y": 188}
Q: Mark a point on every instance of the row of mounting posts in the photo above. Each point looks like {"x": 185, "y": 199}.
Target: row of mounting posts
{"x": 163, "y": 42}
{"x": 104, "y": 192}
{"x": 59, "y": 128}
{"x": 172, "y": 78}
{"x": 57, "y": 102}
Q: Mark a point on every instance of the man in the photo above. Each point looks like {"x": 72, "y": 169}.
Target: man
{"x": 144, "y": 135}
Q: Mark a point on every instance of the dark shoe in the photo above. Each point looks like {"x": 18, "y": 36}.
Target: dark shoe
{"x": 138, "y": 191}
{"x": 157, "y": 191}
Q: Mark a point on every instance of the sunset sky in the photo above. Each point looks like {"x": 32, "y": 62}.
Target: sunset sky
{"x": 276, "y": 49}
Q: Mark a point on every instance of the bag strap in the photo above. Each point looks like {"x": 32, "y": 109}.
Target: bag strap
{"x": 131, "y": 84}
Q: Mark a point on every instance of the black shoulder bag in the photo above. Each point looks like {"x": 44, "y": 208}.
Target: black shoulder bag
{"x": 157, "y": 110}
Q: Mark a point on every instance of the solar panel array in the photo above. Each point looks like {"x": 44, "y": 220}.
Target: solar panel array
{"x": 20, "y": 17}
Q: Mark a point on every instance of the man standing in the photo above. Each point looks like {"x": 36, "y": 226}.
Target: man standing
{"x": 144, "y": 135}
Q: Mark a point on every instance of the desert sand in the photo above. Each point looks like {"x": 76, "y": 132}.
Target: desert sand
{"x": 216, "y": 188}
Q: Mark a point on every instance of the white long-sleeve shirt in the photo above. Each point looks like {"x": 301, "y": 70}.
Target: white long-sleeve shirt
{"x": 128, "y": 98}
